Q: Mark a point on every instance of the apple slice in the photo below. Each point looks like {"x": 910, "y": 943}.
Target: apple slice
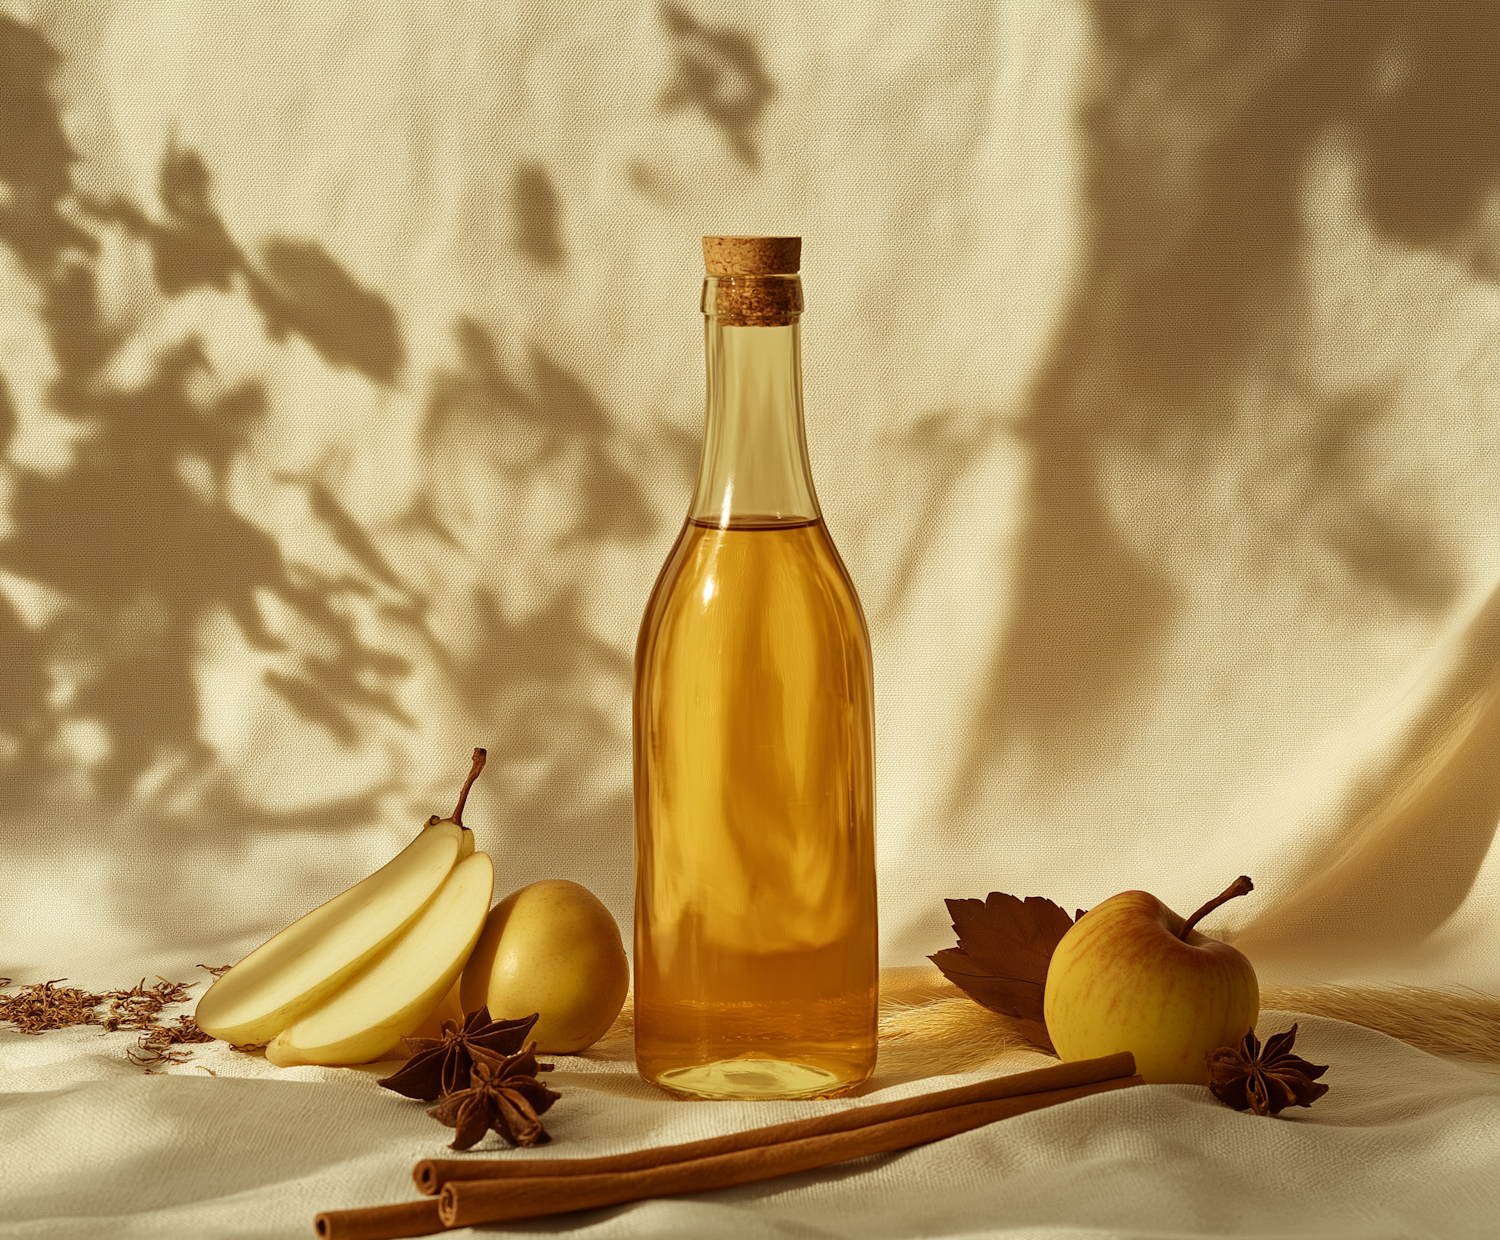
{"x": 397, "y": 991}
{"x": 298, "y": 968}
{"x": 449, "y": 1007}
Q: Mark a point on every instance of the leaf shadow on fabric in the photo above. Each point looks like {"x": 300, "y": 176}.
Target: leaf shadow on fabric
{"x": 936, "y": 448}
{"x": 496, "y": 440}
{"x": 538, "y": 212}
{"x": 298, "y": 287}
{"x": 1195, "y": 133}
{"x": 1433, "y": 149}
{"x": 139, "y": 536}
{"x": 301, "y": 289}
{"x": 119, "y": 560}
{"x": 36, "y": 157}
{"x": 719, "y": 71}
{"x": 155, "y": 556}
{"x": 545, "y": 418}
{"x": 1194, "y": 141}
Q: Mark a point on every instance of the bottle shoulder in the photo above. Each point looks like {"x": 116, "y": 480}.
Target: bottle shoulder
{"x": 759, "y": 575}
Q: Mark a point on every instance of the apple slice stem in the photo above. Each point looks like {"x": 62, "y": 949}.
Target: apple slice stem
{"x": 463, "y": 796}
{"x": 1241, "y": 886}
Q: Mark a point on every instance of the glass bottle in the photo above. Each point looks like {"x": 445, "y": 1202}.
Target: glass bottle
{"x": 756, "y": 956}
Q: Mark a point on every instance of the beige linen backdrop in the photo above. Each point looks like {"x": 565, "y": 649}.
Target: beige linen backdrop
{"x": 352, "y": 390}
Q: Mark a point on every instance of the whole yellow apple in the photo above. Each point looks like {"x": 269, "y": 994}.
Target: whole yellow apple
{"x": 1131, "y": 975}
{"x": 550, "y": 948}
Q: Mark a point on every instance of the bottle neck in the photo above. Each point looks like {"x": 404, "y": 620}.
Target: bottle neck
{"x": 754, "y": 469}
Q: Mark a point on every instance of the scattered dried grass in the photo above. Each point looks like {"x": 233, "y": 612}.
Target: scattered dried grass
{"x": 43, "y": 1006}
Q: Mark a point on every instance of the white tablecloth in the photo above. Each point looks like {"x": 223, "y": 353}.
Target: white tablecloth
{"x": 1404, "y": 1145}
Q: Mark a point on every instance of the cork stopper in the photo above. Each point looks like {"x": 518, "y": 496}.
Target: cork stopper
{"x": 754, "y": 280}
{"x": 752, "y": 256}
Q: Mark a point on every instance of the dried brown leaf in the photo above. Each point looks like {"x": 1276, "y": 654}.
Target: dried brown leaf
{"x": 1004, "y": 947}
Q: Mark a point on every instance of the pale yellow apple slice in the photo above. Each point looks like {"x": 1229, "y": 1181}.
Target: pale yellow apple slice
{"x": 397, "y": 990}
{"x": 298, "y": 968}
{"x": 449, "y": 1007}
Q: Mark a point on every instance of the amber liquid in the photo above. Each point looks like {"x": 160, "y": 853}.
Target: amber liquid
{"x": 756, "y": 956}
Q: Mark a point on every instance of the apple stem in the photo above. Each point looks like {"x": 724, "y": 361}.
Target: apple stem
{"x": 479, "y": 757}
{"x": 1241, "y": 886}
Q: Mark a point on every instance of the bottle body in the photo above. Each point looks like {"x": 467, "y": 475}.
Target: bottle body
{"x": 756, "y": 959}
{"x": 755, "y": 899}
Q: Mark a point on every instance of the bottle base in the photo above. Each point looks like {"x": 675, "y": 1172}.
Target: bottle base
{"x": 751, "y": 1078}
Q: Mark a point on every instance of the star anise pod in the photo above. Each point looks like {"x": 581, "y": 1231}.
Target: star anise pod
{"x": 1248, "y": 1077}
{"x": 439, "y": 1066}
{"x": 503, "y": 1094}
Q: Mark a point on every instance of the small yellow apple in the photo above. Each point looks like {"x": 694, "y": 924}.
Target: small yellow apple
{"x": 550, "y": 948}
{"x": 1131, "y": 975}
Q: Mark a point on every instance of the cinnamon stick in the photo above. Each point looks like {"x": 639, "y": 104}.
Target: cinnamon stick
{"x": 432, "y": 1173}
{"x": 583, "y": 1183}
{"x": 466, "y": 1203}
{"x": 409, "y": 1218}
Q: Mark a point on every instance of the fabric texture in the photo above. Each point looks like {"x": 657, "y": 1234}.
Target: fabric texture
{"x": 1402, "y": 1146}
{"x": 350, "y": 395}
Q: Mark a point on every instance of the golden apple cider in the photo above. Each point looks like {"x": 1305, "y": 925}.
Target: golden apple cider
{"x": 756, "y": 959}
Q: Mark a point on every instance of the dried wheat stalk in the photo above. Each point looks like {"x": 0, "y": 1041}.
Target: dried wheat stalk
{"x": 1461, "y": 1022}
{"x": 928, "y": 1027}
